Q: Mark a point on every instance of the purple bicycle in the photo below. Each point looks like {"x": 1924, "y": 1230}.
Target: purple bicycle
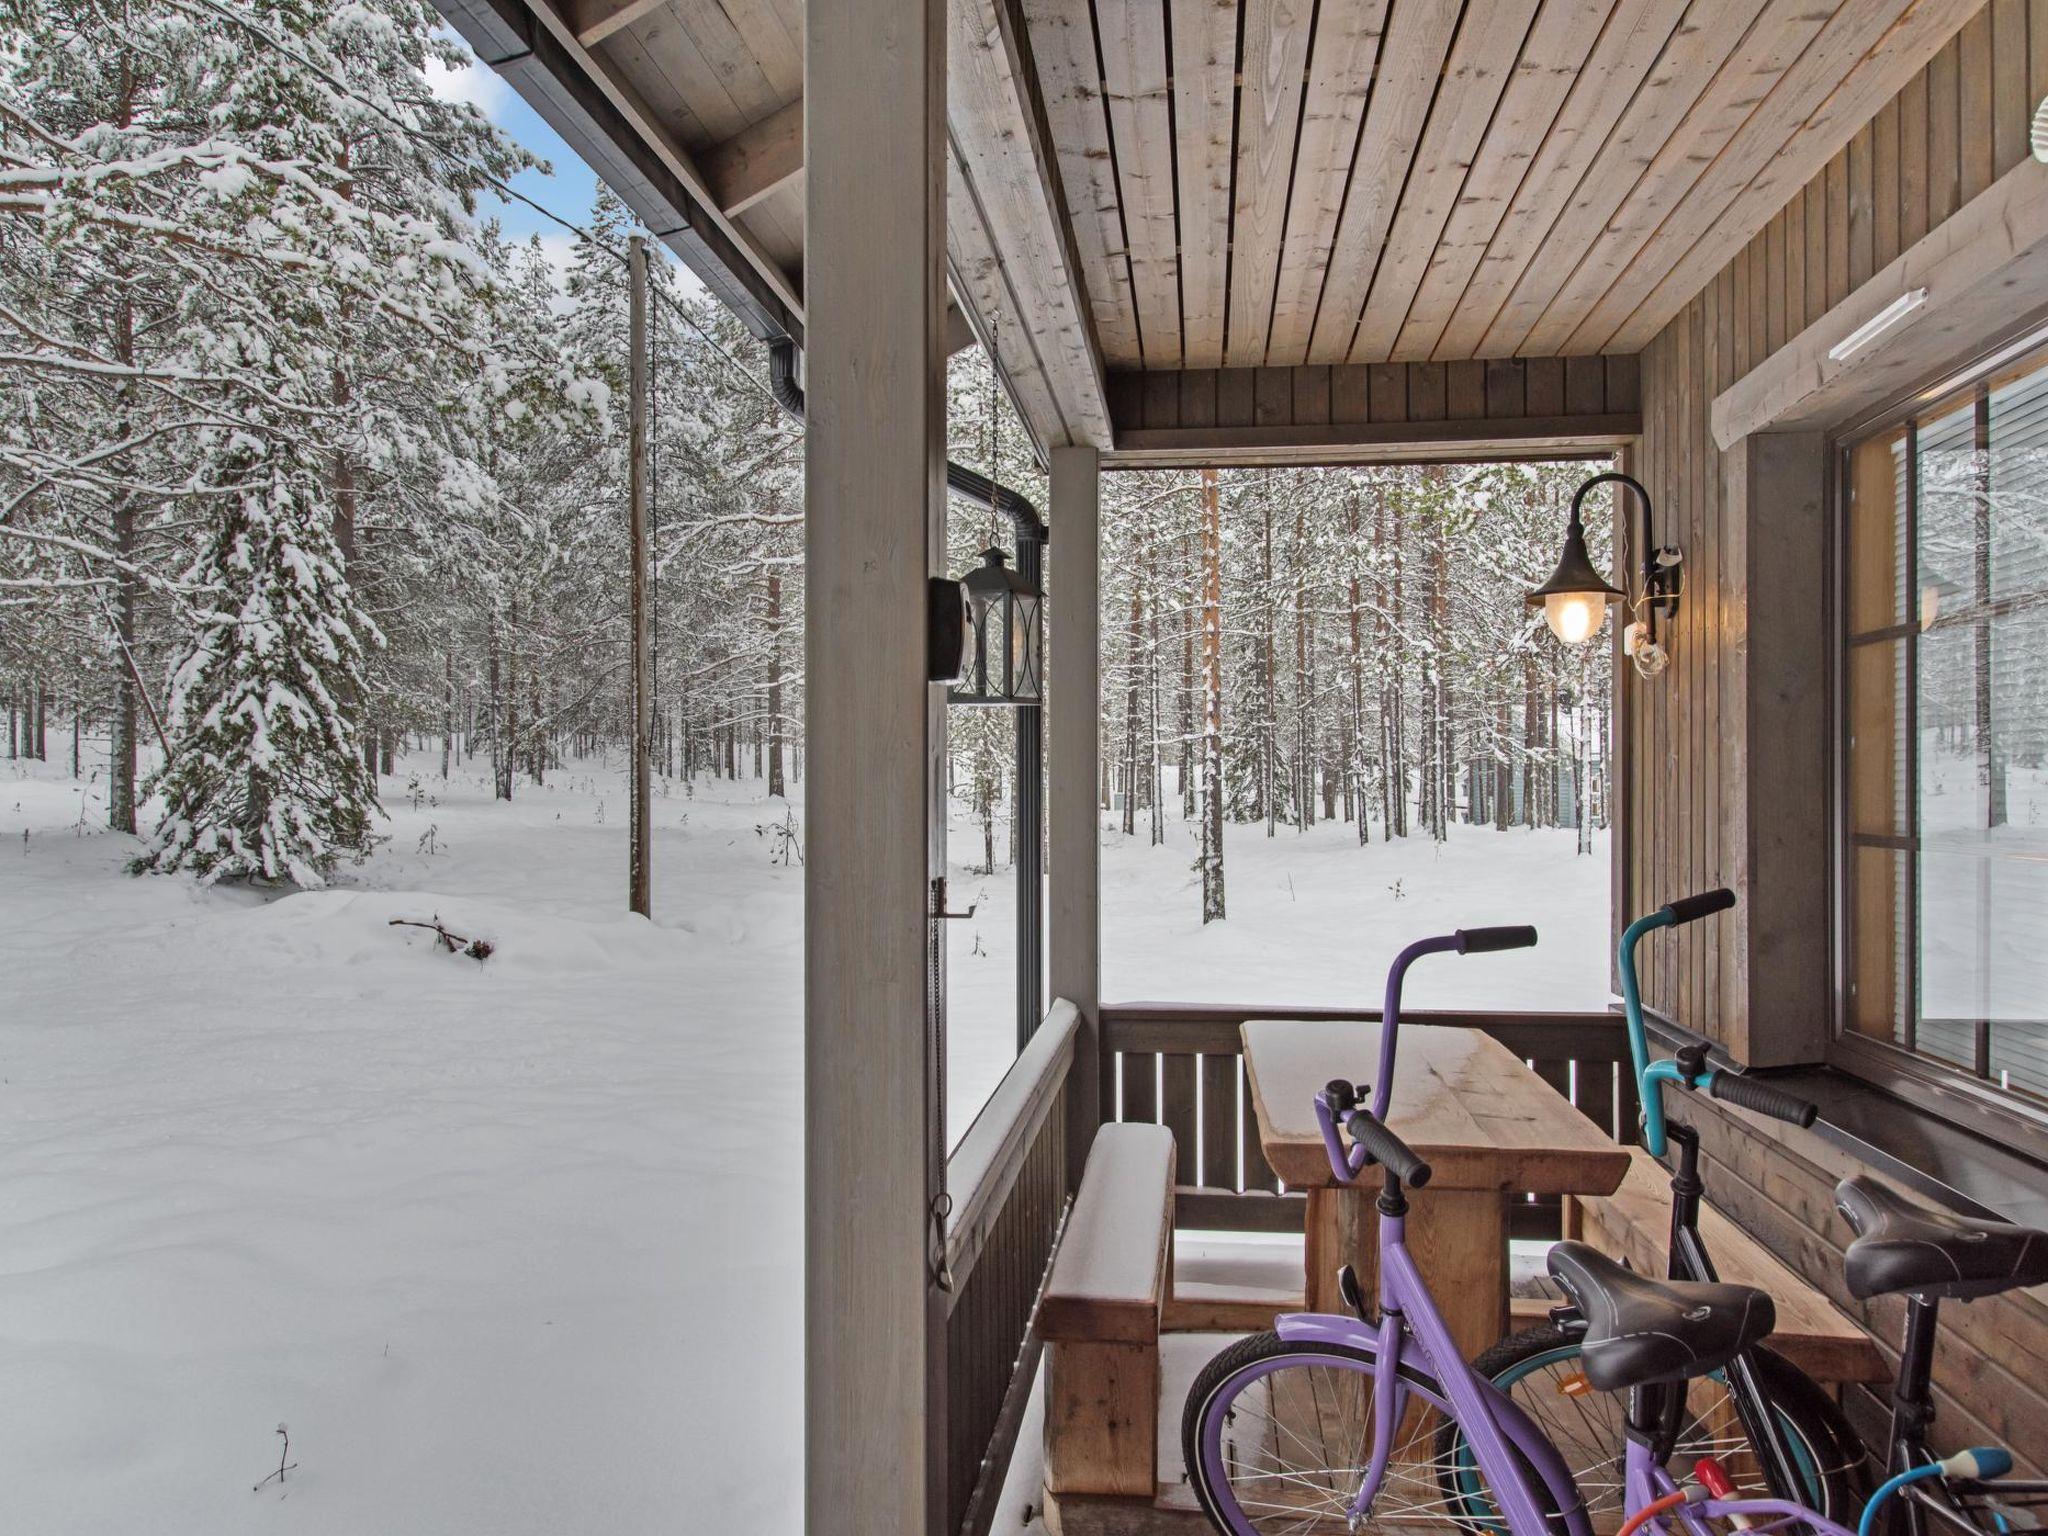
{"x": 1329, "y": 1422}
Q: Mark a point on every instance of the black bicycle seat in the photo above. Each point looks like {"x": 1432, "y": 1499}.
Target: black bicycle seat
{"x": 1902, "y": 1246}
{"x": 1640, "y": 1330}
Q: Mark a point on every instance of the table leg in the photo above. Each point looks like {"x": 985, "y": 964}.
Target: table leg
{"x": 1459, "y": 1238}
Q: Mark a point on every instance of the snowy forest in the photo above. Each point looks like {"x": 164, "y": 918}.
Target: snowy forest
{"x": 305, "y": 464}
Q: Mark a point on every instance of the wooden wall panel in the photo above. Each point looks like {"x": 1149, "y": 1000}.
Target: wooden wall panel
{"x": 1956, "y": 126}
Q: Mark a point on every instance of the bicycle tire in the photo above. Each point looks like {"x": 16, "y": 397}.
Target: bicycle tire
{"x": 1223, "y": 1383}
{"x": 1832, "y": 1456}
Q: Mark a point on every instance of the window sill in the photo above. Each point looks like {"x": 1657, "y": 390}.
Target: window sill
{"x": 1904, "y": 1139}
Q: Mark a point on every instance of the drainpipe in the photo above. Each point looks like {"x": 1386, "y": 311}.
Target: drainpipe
{"x": 1031, "y": 533}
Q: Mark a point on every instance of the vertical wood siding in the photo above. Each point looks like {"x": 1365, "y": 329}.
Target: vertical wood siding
{"x": 1956, "y": 127}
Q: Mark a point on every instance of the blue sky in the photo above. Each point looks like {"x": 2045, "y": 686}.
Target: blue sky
{"x": 567, "y": 189}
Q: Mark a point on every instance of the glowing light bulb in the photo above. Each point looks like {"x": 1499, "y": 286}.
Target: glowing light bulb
{"x": 1574, "y": 617}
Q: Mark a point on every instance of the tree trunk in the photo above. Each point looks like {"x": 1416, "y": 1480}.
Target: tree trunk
{"x": 1212, "y": 700}
{"x": 775, "y": 741}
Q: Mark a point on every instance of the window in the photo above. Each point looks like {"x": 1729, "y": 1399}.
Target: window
{"x": 1944, "y": 605}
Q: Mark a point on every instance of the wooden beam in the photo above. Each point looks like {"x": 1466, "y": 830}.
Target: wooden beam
{"x": 643, "y": 121}
{"x": 1525, "y": 437}
{"x": 595, "y": 20}
{"x": 758, "y": 161}
{"x": 1074, "y": 894}
{"x": 1008, "y": 169}
{"x": 875, "y": 1368}
{"x": 1985, "y": 270}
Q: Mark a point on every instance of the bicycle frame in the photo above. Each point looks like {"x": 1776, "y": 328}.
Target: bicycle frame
{"x": 1686, "y": 1253}
{"x": 1924, "y": 1507}
{"x": 1495, "y": 1427}
{"x": 1646, "y": 1480}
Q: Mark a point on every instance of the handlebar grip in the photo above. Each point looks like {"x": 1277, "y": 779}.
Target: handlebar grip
{"x": 1704, "y": 904}
{"x": 1478, "y": 941}
{"x": 1763, "y": 1098}
{"x": 1387, "y": 1149}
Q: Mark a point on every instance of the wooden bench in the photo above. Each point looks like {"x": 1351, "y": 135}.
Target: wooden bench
{"x": 1100, "y": 1318}
{"x": 1634, "y": 1223}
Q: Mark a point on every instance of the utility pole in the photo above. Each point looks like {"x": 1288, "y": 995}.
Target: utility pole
{"x": 640, "y": 874}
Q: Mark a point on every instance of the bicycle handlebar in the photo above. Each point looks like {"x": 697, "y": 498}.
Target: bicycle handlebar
{"x": 1385, "y": 1148}
{"x": 1480, "y": 941}
{"x": 1762, "y": 1097}
{"x": 1465, "y": 941}
{"x": 1689, "y": 909}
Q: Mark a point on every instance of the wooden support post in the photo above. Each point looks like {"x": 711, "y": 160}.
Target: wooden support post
{"x": 1073, "y": 684}
{"x": 640, "y": 871}
{"x": 875, "y": 290}
{"x": 1775, "y": 964}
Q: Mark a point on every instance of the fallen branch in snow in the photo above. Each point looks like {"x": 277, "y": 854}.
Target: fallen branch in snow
{"x": 454, "y": 943}
{"x": 278, "y": 1475}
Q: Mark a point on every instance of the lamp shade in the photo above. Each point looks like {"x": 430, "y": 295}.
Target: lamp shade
{"x": 1574, "y": 601}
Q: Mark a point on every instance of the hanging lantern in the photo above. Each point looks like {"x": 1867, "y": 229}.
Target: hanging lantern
{"x": 1006, "y": 638}
{"x": 1574, "y": 601}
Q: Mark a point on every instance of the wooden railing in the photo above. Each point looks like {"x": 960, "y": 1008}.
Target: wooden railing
{"x": 1181, "y": 1065}
{"x": 1006, "y": 1184}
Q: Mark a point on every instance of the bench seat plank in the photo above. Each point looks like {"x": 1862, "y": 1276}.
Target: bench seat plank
{"x": 1635, "y": 1223}
{"x": 1109, "y": 1279}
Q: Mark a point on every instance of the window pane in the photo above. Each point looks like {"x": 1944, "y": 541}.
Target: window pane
{"x": 1877, "y": 724}
{"x": 1879, "y": 896}
{"x": 1984, "y": 820}
{"x": 2019, "y": 480}
{"x": 1877, "y": 493}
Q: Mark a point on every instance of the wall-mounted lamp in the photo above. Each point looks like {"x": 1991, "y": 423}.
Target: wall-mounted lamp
{"x": 1574, "y": 601}
{"x": 996, "y": 642}
{"x": 2037, "y": 131}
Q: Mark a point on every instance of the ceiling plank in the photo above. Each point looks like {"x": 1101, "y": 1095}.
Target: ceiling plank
{"x": 1711, "y": 31}
{"x": 1481, "y": 64}
{"x": 1004, "y": 148}
{"x": 1204, "y": 70}
{"x": 1768, "y": 165}
{"x": 643, "y": 121}
{"x": 982, "y": 283}
{"x": 595, "y": 20}
{"x": 758, "y": 161}
{"x": 1635, "y": 34}
{"x": 1411, "y": 59}
{"x": 1742, "y": 87}
{"x": 1276, "y": 50}
{"x": 1530, "y": 109}
{"x": 1345, "y": 51}
{"x": 1132, "y": 34}
{"x": 1062, "y": 35}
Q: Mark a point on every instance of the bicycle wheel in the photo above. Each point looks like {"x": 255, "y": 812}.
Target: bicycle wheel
{"x": 1277, "y": 1437}
{"x": 1539, "y": 1369}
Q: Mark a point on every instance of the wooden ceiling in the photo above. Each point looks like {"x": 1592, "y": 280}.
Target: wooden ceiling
{"x": 1279, "y": 182}
{"x": 1201, "y": 184}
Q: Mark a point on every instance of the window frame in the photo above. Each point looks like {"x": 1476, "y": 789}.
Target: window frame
{"x": 1953, "y": 1093}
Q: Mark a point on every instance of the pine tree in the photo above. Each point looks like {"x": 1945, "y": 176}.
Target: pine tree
{"x": 267, "y": 782}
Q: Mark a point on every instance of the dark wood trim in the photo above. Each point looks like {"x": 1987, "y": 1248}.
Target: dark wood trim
{"x": 1270, "y": 443}
{"x": 1225, "y": 1210}
{"x": 1179, "y": 1028}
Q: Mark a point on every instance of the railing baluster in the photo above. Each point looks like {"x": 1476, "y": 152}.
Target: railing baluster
{"x": 1177, "y": 1073}
{"x": 1140, "y": 1090}
{"x": 1258, "y": 1173}
{"x": 1219, "y": 1121}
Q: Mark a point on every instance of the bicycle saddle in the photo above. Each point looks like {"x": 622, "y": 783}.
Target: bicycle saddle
{"x": 1641, "y": 1330}
{"x": 1903, "y": 1246}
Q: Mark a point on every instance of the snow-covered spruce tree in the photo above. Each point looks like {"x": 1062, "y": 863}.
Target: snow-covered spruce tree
{"x": 267, "y": 783}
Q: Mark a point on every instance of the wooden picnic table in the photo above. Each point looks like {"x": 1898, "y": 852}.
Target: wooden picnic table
{"x": 1489, "y": 1127}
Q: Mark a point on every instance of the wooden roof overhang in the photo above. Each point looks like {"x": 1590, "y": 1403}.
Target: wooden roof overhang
{"x": 1258, "y": 231}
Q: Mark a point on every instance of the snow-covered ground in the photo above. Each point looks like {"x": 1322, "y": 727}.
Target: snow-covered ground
{"x": 515, "y": 1246}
